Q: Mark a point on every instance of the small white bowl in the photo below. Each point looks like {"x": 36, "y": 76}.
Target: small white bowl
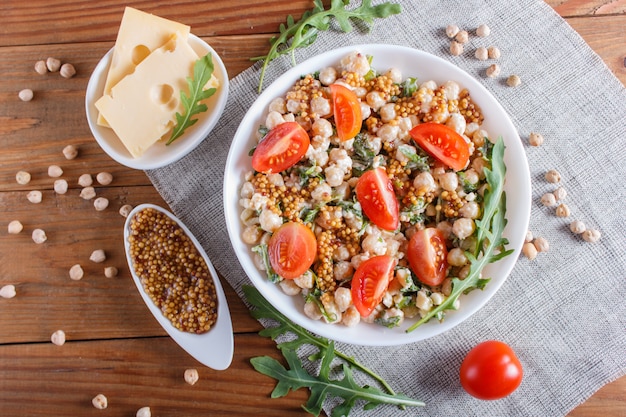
{"x": 214, "y": 348}
{"x": 424, "y": 66}
{"x": 158, "y": 155}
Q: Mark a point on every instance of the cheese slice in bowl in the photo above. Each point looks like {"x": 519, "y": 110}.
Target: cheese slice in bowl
{"x": 139, "y": 35}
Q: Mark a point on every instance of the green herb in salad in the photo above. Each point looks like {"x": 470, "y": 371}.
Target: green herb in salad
{"x": 490, "y": 245}
{"x": 262, "y": 250}
{"x": 304, "y": 32}
{"x": 321, "y": 386}
{"x": 202, "y": 73}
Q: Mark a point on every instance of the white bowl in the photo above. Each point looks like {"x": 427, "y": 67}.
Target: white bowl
{"x": 425, "y": 67}
{"x": 158, "y": 155}
{"x": 214, "y": 348}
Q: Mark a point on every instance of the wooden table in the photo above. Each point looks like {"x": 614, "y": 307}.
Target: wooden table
{"x": 114, "y": 346}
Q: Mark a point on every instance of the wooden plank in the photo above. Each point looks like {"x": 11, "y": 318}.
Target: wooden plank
{"x": 571, "y": 8}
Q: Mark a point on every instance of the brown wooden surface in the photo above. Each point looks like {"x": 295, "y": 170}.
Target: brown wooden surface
{"x": 114, "y": 345}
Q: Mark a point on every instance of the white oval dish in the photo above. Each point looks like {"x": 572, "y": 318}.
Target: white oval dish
{"x": 413, "y": 63}
{"x": 158, "y": 155}
{"x": 214, "y": 348}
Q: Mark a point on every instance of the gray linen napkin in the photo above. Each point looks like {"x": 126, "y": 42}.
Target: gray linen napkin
{"x": 564, "y": 313}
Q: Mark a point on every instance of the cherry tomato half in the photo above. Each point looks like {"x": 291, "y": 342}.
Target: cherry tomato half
{"x": 377, "y": 198}
{"x": 347, "y": 111}
{"x": 282, "y": 148}
{"x": 428, "y": 256}
{"x": 442, "y": 143}
{"x": 491, "y": 371}
{"x": 370, "y": 281}
{"x": 292, "y": 250}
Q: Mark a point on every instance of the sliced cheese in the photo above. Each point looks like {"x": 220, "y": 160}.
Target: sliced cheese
{"x": 141, "y": 107}
{"x": 139, "y": 34}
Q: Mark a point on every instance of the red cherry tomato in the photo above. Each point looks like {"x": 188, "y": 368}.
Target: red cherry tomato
{"x": 370, "y": 281}
{"x": 428, "y": 256}
{"x": 442, "y": 143}
{"x": 292, "y": 250}
{"x": 282, "y": 148}
{"x": 491, "y": 371}
{"x": 347, "y": 111}
{"x": 377, "y": 198}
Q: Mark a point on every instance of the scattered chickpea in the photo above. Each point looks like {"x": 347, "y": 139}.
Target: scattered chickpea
{"x": 548, "y": 200}
{"x": 529, "y": 236}
{"x": 513, "y": 80}
{"x": 553, "y": 176}
{"x": 88, "y": 193}
{"x": 125, "y": 210}
{"x": 39, "y": 236}
{"x": 493, "y": 52}
{"x": 563, "y": 210}
{"x": 493, "y": 70}
{"x": 451, "y": 31}
{"x": 98, "y": 256}
{"x": 58, "y": 338}
{"x": 85, "y": 180}
{"x": 104, "y": 178}
{"x": 53, "y": 64}
{"x": 535, "y": 139}
{"x": 15, "y": 227}
{"x": 541, "y": 244}
{"x": 26, "y": 94}
{"x": 22, "y": 177}
{"x": 481, "y": 53}
{"x": 67, "y": 71}
{"x": 462, "y": 37}
{"x": 529, "y": 250}
{"x": 591, "y": 235}
{"x": 55, "y": 171}
{"x": 560, "y": 193}
{"x": 191, "y": 376}
{"x": 577, "y": 227}
{"x": 41, "y": 68}
{"x": 60, "y": 186}
{"x": 144, "y": 412}
{"x": 110, "y": 272}
{"x": 100, "y": 402}
{"x": 34, "y": 196}
{"x": 76, "y": 272}
{"x": 483, "y": 31}
{"x": 8, "y": 291}
{"x": 101, "y": 203}
{"x": 456, "y": 48}
{"x": 70, "y": 152}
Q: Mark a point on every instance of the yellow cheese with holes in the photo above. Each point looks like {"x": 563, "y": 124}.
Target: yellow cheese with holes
{"x": 141, "y": 107}
{"x": 139, "y": 34}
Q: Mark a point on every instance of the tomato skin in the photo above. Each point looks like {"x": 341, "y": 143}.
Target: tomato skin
{"x": 347, "y": 112}
{"x": 292, "y": 250}
{"x": 442, "y": 143}
{"x": 491, "y": 370}
{"x": 428, "y": 256}
{"x": 370, "y": 281}
{"x": 375, "y": 193}
{"x": 282, "y": 148}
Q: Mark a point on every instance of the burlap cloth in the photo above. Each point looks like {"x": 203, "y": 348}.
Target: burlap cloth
{"x": 564, "y": 312}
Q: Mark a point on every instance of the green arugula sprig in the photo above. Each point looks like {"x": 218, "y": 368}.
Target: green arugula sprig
{"x": 490, "y": 245}
{"x": 303, "y": 33}
{"x": 202, "y": 72}
{"x": 320, "y": 386}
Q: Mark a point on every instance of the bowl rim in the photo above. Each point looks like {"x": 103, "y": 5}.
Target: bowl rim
{"x": 111, "y": 144}
{"x": 514, "y": 158}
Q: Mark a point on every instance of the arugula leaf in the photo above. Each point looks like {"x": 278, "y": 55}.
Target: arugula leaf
{"x": 320, "y": 386}
{"x": 303, "y": 33}
{"x": 202, "y": 72}
{"x": 409, "y": 86}
{"x": 416, "y": 162}
{"x": 363, "y": 156}
{"x": 262, "y": 250}
{"x": 489, "y": 241}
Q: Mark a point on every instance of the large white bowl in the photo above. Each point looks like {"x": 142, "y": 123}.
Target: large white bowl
{"x": 158, "y": 155}
{"x": 425, "y": 67}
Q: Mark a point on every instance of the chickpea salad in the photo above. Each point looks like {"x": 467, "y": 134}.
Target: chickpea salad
{"x": 369, "y": 193}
